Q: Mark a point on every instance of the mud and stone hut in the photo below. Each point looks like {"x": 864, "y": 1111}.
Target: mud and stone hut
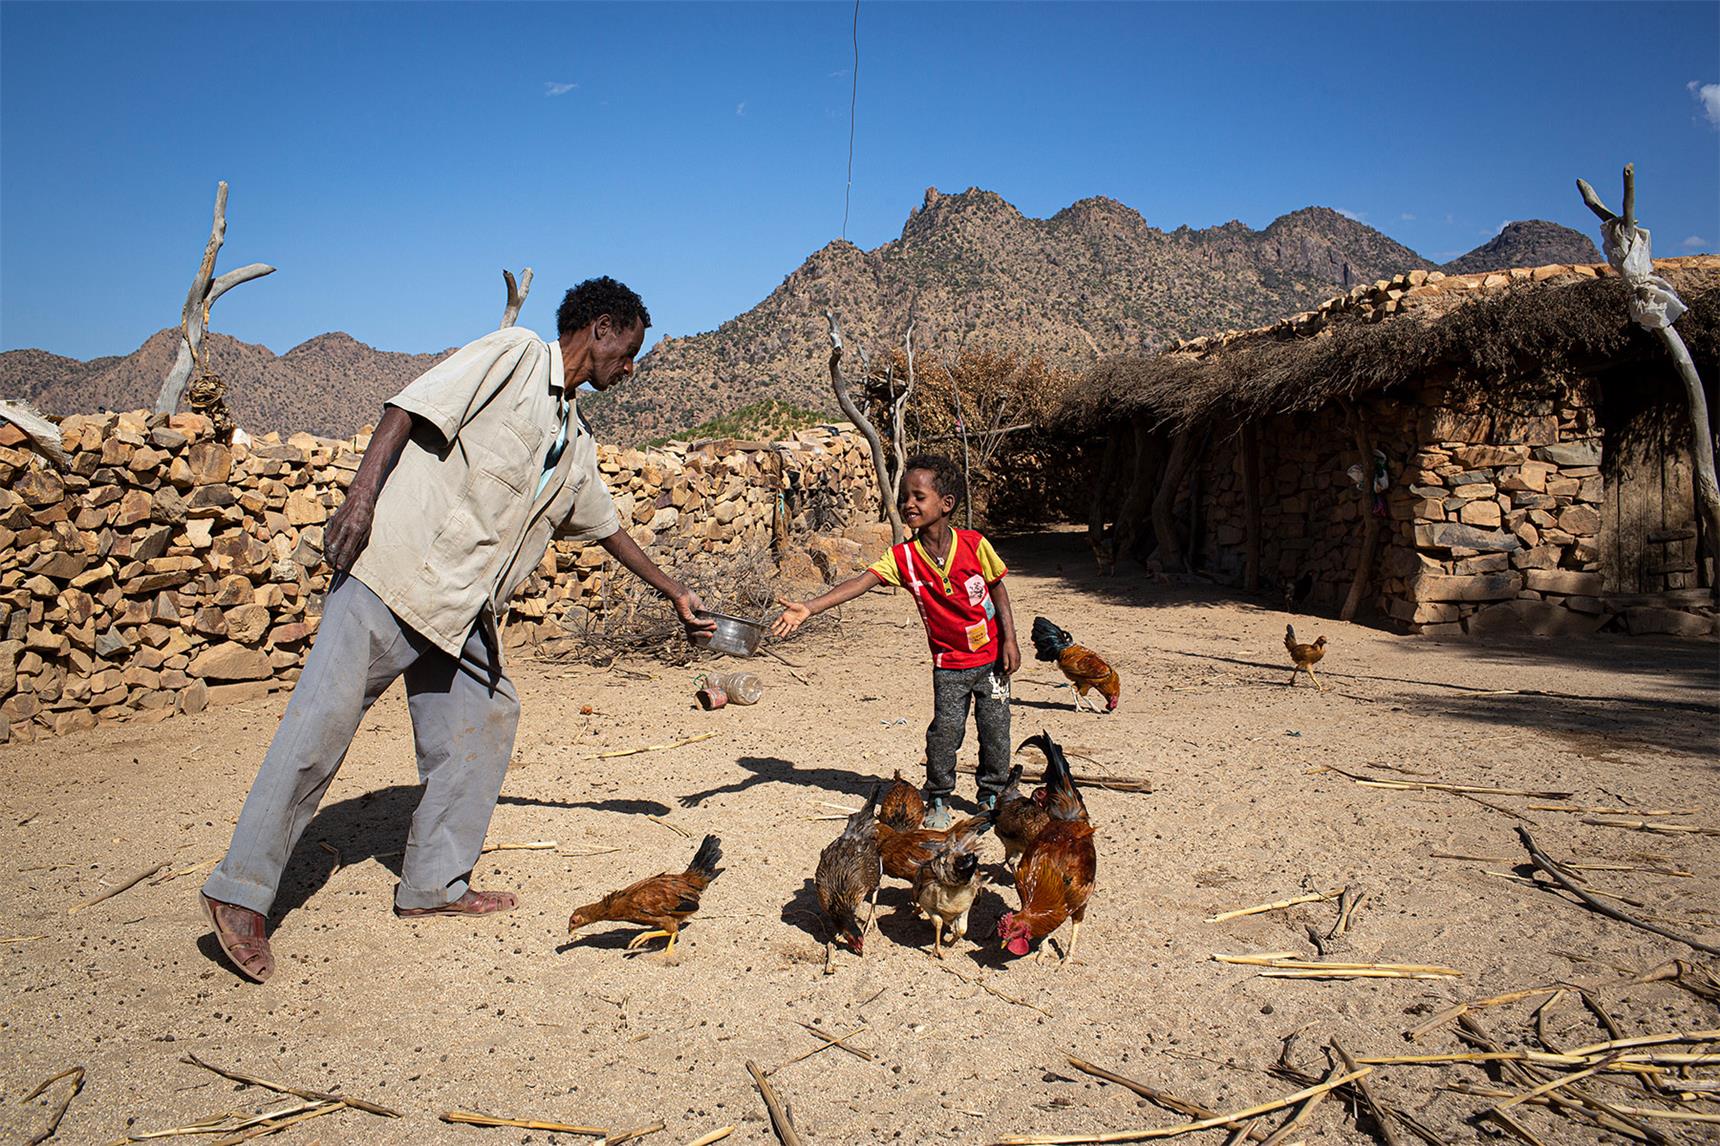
{"x": 1531, "y": 449}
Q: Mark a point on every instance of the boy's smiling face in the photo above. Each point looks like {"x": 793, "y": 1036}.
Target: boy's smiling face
{"x": 922, "y": 504}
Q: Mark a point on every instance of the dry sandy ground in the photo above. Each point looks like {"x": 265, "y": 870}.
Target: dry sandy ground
{"x": 506, "y": 1016}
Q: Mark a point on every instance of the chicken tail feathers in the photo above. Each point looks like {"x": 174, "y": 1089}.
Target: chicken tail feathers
{"x": 706, "y": 859}
{"x": 1045, "y": 744}
{"x": 860, "y": 823}
{"x": 1066, "y": 802}
{"x": 1049, "y": 640}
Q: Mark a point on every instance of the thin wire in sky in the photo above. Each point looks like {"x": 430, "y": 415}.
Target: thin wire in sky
{"x": 853, "y": 102}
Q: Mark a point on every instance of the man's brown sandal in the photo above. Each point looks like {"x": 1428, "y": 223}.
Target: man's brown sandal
{"x": 474, "y": 902}
{"x": 242, "y": 934}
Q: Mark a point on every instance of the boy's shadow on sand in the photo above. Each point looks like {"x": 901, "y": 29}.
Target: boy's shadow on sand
{"x": 774, "y": 769}
{"x": 1046, "y": 705}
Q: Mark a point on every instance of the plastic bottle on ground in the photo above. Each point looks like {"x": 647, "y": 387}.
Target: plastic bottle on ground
{"x": 742, "y": 687}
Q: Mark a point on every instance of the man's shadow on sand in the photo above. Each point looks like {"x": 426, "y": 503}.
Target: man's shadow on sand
{"x": 375, "y": 824}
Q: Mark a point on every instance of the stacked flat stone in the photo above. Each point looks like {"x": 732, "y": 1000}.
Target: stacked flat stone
{"x": 163, "y": 571}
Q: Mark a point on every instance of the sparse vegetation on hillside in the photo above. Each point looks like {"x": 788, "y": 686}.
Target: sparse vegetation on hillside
{"x": 767, "y": 420}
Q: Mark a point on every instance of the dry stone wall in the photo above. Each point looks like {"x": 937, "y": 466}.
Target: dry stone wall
{"x": 163, "y": 571}
{"x": 1497, "y": 513}
{"x": 1492, "y": 521}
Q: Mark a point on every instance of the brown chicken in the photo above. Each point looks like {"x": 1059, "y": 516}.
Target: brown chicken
{"x": 1305, "y": 657}
{"x": 1020, "y": 818}
{"x": 1056, "y": 873}
{"x": 902, "y": 806}
{"x": 904, "y": 853}
{"x": 847, "y": 873}
{"x": 662, "y": 902}
{"x": 1085, "y": 668}
{"x": 945, "y": 887}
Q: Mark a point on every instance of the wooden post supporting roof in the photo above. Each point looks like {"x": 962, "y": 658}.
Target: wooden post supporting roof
{"x": 1370, "y": 522}
{"x": 1251, "y": 507}
{"x": 1164, "y": 502}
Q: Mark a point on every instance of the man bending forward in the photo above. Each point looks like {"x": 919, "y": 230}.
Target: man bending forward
{"x": 476, "y": 465}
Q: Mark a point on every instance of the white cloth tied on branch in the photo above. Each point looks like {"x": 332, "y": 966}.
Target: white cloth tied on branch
{"x": 1653, "y": 303}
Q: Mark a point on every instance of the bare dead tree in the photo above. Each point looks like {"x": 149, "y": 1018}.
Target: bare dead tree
{"x": 1655, "y": 306}
{"x": 516, "y": 295}
{"x": 194, "y": 319}
{"x": 888, "y": 510}
{"x": 984, "y": 433}
{"x": 899, "y": 417}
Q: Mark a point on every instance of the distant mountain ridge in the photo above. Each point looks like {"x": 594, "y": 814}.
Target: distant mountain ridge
{"x": 1529, "y": 242}
{"x": 1092, "y": 279}
{"x": 328, "y": 385}
{"x": 970, "y": 269}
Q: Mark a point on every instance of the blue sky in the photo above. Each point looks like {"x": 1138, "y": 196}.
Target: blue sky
{"x": 391, "y": 158}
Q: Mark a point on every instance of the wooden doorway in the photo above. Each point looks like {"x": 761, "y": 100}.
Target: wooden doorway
{"x": 1648, "y": 538}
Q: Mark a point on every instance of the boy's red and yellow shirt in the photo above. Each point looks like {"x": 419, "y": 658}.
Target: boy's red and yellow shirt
{"x": 954, "y": 597}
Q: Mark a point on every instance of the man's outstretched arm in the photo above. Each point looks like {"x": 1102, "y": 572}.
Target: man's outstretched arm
{"x": 687, "y": 604}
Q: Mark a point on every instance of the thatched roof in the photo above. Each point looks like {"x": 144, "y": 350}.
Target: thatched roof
{"x": 1502, "y": 328}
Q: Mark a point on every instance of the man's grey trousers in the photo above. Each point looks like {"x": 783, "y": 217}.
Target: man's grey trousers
{"x": 464, "y": 713}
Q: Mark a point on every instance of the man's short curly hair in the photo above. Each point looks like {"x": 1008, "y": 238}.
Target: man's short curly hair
{"x": 593, "y": 298}
{"x": 947, "y": 477}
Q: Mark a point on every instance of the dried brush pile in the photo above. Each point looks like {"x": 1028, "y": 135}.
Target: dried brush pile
{"x": 631, "y": 620}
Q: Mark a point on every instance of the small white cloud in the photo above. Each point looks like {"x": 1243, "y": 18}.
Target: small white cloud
{"x": 741, "y": 108}
{"x": 1694, "y": 243}
{"x": 1407, "y": 217}
{"x": 1500, "y": 229}
{"x": 1355, "y": 216}
{"x": 838, "y": 74}
{"x": 1708, "y": 95}
{"x": 551, "y": 88}
{"x": 1448, "y": 219}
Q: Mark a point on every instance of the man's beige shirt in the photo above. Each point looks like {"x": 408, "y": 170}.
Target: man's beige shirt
{"x": 457, "y": 525}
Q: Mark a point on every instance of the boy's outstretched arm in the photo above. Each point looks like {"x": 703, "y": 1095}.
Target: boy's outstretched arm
{"x": 795, "y": 613}
{"x": 1006, "y": 629}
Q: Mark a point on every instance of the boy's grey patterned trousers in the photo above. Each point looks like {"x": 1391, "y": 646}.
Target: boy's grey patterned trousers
{"x": 952, "y": 691}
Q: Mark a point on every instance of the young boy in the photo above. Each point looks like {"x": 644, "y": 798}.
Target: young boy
{"x": 956, "y": 579}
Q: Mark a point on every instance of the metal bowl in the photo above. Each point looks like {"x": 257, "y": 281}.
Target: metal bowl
{"x": 736, "y": 636}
